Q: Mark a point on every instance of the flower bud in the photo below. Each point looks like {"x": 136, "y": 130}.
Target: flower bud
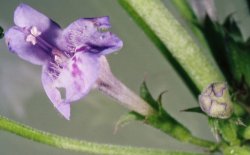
{"x": 215, "y": 101}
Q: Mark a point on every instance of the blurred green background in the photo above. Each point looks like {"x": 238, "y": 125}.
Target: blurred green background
{"x": 23, "y": 98}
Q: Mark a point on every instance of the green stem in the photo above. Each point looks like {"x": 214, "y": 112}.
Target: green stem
{"x": 167, "y": 124}
{"x": 198, "y": 65}
{"x": 76, "y": 145}
{"x": 170, "y": 126}
{"x": 188, "y": 14}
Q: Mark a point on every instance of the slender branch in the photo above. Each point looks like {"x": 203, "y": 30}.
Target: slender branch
{"x": 76, "y": 145}
{"x": 170, "y": 126}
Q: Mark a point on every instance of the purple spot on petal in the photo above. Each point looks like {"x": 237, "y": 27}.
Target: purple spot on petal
{"x": 76, "y": 71}
{"x": 82, "y": 48}
{"x": 77, "y": 87}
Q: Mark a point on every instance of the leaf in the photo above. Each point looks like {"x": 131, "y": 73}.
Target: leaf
{"x": 230, "y": 51}
{"x": 248, "y": 5}
{"x": 168, "y": 124}
{"x": 214, "y": 34}
{"x": 1, "y": 32}
{"x": 159, "y": 101}
{"x": 232, "y": 28}
{"x": 145, "y": 94}
{"x": 194, "y": 109}
{"x": 162, "y": 119}
{"x": 127, "y": 118}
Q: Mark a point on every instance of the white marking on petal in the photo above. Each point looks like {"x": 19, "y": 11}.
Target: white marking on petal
{"x": 57, "y": 59}
{"x": 35, "y": 32}
{"x": 30, "y": 38}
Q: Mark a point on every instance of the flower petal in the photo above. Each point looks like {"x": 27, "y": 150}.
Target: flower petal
{"x": 54, "y": 94}
{"x": 77, "y": 78}
{"x": 16, "y": 41}
{"x": 91, "y": 35}
{"x": 26, "y": 16}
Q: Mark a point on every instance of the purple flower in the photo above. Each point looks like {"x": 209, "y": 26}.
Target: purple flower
{"x": 70, "y": 57}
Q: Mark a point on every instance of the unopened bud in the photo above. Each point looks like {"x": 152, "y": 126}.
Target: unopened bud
{"x": 215, "y": 101}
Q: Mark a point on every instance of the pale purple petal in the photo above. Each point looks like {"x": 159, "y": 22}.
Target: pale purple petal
{"x": 16, "y": 41}
{"x": 79, "y": 76}
{"x": 91, "y": 35}
{"x": 27, "y": 17}
{"x": 54, "y": 94}
{"x": 104, "y": 43}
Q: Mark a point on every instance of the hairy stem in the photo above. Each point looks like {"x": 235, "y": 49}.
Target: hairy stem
{"x": 170, "y": 126}
{"x": 198, "y": 65}
{"x": 76, "y": 145}
{"x": 187, "y": 13}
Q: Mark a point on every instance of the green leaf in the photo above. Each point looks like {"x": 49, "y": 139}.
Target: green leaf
{"x": 145, "y": 94}
{"x": 126, "y": 119}
{"x": 239, "y": 56}
{"x": 162, "y": 119}
{"x": 1, "y": 32}
{"x": 232, "y": 29}
{"x": 214, "y": 34}
{"x": 194, "y": 109}
{"x": 167, "y": 124}
{"x": 238, "y": 51}
{"x": 248, "y": 5}
{"x": 229, "y": 49}
{"x": 159, "y": 101}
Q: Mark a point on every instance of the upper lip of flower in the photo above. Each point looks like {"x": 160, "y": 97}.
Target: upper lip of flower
{"x": 70, "y": 57}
